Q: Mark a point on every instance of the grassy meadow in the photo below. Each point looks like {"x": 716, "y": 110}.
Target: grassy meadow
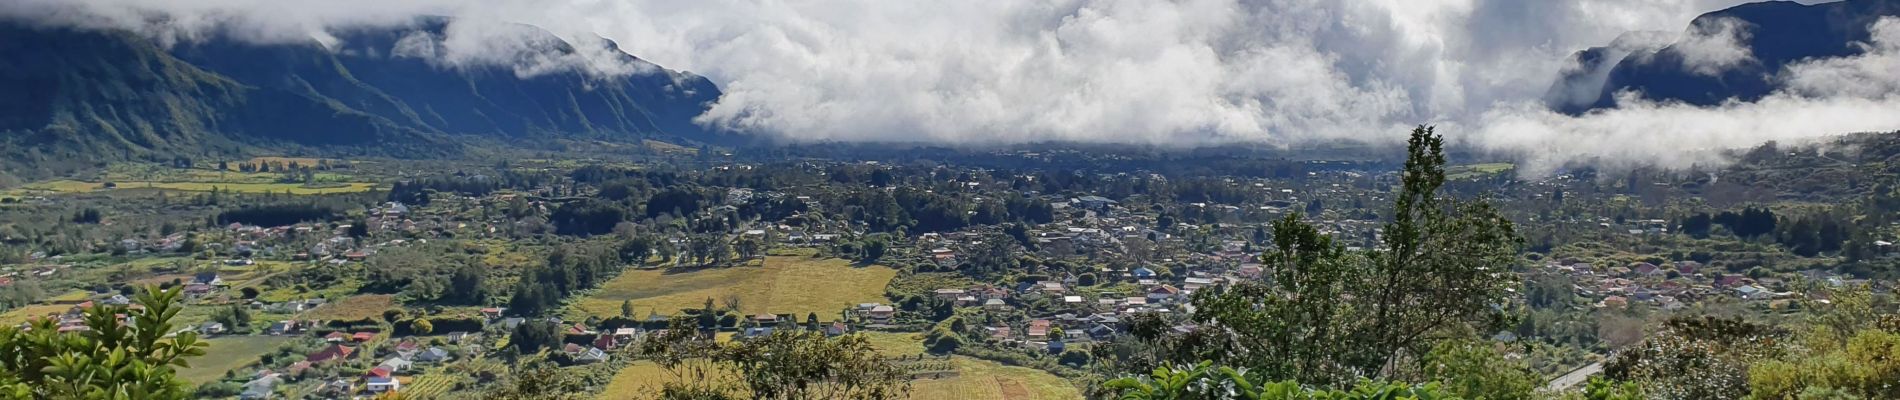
{"x": 228, "y": 353}
{"x": 783, "y": 284}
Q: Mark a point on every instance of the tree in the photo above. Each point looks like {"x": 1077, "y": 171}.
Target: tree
{"x": 787, "y": 364}
{"x": 421, "y": 326}
{"x": 1442, "y": 266}
{"x": 535, "y": 335}
{"x": 110, "y": 360}
{"x": 1204, "y": 381}
{"x": 626, "y": 308}
{"x": 233, "y": 317}
{"x": 874, "y": 249}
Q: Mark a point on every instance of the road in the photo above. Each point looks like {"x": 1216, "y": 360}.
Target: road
{"x": 1574, "y": 378}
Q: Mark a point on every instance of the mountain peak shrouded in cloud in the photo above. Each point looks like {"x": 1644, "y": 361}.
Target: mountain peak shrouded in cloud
{"x": 1176, "y": 73}
{"x": 406, "y": 88}
{"x": 1743, "y": 53}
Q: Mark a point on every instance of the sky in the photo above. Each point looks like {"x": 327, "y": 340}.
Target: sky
{"x": 1176, "y": 73}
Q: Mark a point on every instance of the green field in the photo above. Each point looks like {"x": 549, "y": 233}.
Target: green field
{"x": 29, "y": 312}
{"x": 783, "y": 285}
{"x": 353, "y": 308}
{"x": 1477, "y": 170}
{"x": 71, "y": 186}
{"x": 228, "y": 353}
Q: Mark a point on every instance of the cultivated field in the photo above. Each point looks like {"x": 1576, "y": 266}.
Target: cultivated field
{"x": 1477, "y": 170}
{"x": 71, "y": 186}
{"x": 985, "y": 380}
{"x": 783, "y": 285}
{"x": 975, "y": 379}
{"x": 353, "y": 308}
{"x": 228, "y": 353}
{"x": 29, "y": 312}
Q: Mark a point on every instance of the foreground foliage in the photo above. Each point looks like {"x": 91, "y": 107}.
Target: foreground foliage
{"x": 785, "y": 364}
{"x": 110, "y": 360}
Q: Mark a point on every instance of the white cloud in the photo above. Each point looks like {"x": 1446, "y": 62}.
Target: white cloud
{"x": 1179, "y": 72}
{"x": 1714, "y": 45}
{"x": 528, "y": 51}
{"x": 1873, "y": 73}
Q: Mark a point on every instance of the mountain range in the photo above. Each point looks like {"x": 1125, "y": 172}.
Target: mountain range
{"x": 1774, "y": 34}
{"x": 79, "y": 95}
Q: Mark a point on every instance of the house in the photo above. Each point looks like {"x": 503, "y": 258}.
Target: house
{"x": 382, "y": 384}
{"x": 334, "y": 337}
{"x": 837, "y": 328}
{"x": 882, "y": 313}
{"x": 1049, "y": 287}
{"x": 1144, "y": 273}
{"x": 950, "y": 294}
{"x": 260, "y": 388}
{"x": 281, "y": 327}
{"x": 297, "y": 368}
{"x": 998, "y": 332}
{"x": 197, "y": 289}
{"x": 766, "y": 319}
{"x": 607, "y": 342}
{"x": 433, "y": 355}
{"x": 1038, "y": 329}
{"x": 337, "y": 388}
{"x": 207, "y": 278}
{"x": 492, "y": 312}
{"x": 995, "y": 304}
{"x": 591, "y": 355}
{"x": 408, "y": 346}
{"x": 362, "y": 337}
{"x": 1616, "y": 302}
{"x": 1056, "y": 346}
{"x": 1097, "y": 203}
{"x": 625, "y": 334}
{"x": 379, "y": 372}
{"x": 211, "y": 328}
{"x": 333, "y": 352}
{"x": 1163, "y": 293}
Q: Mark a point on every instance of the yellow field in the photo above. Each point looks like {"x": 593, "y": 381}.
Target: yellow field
{"x": 228, "y": 353}
{"x": 70, "y": 186}
{"x": 784, "y": 285}
{"x": 304, "y": 161}
{"x": 353, "y": 308}
{"x": 892, "y": 344}
{"x": 29, "y": 312}
{"x": 639, "y": 380}
{"x": 669, "y": 147}
{"x": 986, "y": 380}
{"x": 976, "y": 380}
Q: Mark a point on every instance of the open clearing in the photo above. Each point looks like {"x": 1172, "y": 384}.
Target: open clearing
{"x": 70, "y": 186}
{"x": 29, "y": 312}
{"x": 353, "y": 308}
{"x": 228, "y": 353}
{"x": 1477, "y": 170}
{"x": 975, "y": 380}
{"x": 783, "y": 285}
{"x": 985, "y": 380}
